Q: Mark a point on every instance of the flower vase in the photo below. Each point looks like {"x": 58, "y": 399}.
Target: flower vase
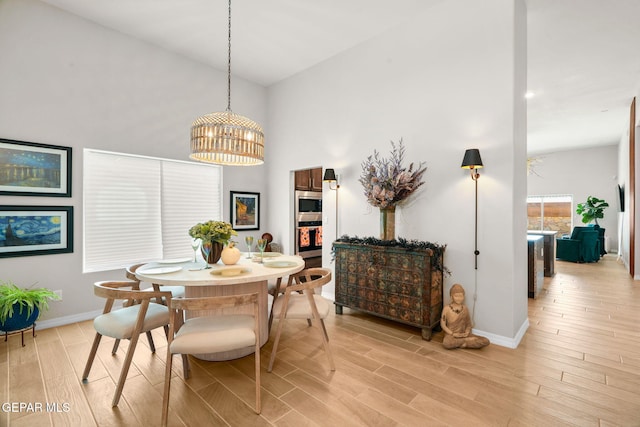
{"x": 388, "y": 223}
{"x": 216, "y": 252}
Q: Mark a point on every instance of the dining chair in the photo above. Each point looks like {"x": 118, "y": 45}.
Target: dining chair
{"x": 176, "y": 291}
{"x": 138, "y": 316}
{"x": 211, "y": 334}
{"x": 300, "y": 300}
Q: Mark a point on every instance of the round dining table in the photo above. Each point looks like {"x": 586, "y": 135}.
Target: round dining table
{"x": 246, "y": 276}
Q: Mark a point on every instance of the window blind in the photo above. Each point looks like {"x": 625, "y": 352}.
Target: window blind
{"x": 191, "y": 193}
{"x": 138, "y": 209}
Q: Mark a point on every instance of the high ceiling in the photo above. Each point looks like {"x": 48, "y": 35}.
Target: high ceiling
{"x": 583, "y": 64}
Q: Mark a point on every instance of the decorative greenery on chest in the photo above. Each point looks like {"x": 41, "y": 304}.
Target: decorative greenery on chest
{"x": 436, "y": 249}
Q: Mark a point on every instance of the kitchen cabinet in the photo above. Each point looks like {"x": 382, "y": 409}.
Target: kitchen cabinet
{"x": 309, "y": 179}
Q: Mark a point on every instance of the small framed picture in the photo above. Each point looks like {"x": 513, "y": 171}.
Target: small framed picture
{"x": 245, "y": 210}
{"x": 32, "y": 169}
{"x": 35, "y": 230}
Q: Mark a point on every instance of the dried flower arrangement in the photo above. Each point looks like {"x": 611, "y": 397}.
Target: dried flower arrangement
{"x": 386, "y": 182}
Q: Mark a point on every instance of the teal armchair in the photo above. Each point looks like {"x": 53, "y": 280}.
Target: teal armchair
{"x": 600, "y": 231}
{"x": 582, "y": 246}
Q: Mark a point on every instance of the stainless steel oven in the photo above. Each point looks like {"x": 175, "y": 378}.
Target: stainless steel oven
{"x": 308, "y": 228}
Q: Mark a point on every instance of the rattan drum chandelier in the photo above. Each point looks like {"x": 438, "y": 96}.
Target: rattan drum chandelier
{"x": 227, "y": 138}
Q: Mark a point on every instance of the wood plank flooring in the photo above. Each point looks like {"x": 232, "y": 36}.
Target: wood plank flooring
{"x": 579, "y": 364}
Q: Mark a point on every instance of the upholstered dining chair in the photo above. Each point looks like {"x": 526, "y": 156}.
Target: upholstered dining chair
{"x": 211, "y": 334}
{"x": 301, "y": 301}
{"x": 176, "y": 291}
{"x": 137, "y": 316}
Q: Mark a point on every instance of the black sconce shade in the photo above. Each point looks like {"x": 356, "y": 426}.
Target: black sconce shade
{"x": 471, "y": 159}
{"x": 329, "y": 175}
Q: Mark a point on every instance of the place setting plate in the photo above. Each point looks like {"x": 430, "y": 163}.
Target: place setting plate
{"x": 173, "y": 261}
{"x": 256, "y": 256}
{"x": 160, "y": 270}
{"x": 230, "y": 271}
{"x": 279, "y": 264}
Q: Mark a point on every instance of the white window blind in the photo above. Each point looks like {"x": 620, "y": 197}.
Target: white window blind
{"x": 138, "y": 209}
{"x": 191, "y": 193}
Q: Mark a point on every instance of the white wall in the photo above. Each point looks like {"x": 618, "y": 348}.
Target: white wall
{"x": 581, "y": 173}
{"x": 66, "y": 81}
{"x": 447, "y": 80}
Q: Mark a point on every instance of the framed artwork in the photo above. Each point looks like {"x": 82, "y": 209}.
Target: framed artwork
{"x": 245, "y": 210}
{"x": 32, "y": 169}
{"x": 35, "y": 230}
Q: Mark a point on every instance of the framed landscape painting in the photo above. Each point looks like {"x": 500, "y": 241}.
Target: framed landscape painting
{"x": 35, "y": 230}
{"x": 245, "y": 210}
{"x": 32, "y": 169}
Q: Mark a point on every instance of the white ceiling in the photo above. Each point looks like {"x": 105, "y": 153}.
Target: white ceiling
{"x": 583, "y": 63}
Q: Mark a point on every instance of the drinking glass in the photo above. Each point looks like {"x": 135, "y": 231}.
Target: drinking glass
{"x": 249, "y": 241}
{"x": 195, "y": 244}
{"x": 206, "y": 249}
{"x": 262, "y": 244}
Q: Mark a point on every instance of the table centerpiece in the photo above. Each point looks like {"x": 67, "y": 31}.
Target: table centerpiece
{"x": 214, "y": 235}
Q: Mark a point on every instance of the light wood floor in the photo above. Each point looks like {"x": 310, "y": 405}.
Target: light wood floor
{"x": 579, "y": 364}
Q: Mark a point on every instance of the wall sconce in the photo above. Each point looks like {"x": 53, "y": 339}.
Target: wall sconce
{"x": 473, "y": 162}
{"x": 330, "y": 177}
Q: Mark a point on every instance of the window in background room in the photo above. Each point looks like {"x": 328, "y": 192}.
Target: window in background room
{"x": 138, "y": 209}
{"x": 554, "y": 213}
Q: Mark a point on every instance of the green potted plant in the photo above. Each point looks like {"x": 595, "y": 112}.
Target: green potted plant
{"x": 20, "y": 308}
{"x": 592, "y": 209}
{"x": 214, "y": 235}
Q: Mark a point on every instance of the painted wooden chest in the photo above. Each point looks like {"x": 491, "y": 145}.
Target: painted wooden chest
{"x": 391, "y": 282}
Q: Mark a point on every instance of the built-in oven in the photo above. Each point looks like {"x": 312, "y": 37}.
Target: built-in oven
{"x": 308, "y": 228}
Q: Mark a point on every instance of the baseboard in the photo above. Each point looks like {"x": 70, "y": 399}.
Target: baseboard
{"x": 65, "y": 320}
{"x": 505, "y": 341}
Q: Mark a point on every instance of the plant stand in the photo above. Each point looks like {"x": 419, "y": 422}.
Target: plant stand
{"x": 21, "y": 332}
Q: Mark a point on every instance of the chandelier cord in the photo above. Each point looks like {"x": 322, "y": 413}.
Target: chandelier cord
{"x": 229, "y": 63}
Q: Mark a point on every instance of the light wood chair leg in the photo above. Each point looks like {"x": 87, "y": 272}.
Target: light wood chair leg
{"x": 116, "y": 343}
{"x": 327, "y": 347}
{"x": 275, "y": 296}
{"x": 167, "y": 387}
{"x": 324, "y": 329}
{"x": 125, "y": 368}
{"x": 274, "y": 349}
{"x": 321, "y": 328}
{"x": 258, "y": 385}
{"x": 92, "y": 356}
{"x": 256, "y": 354}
